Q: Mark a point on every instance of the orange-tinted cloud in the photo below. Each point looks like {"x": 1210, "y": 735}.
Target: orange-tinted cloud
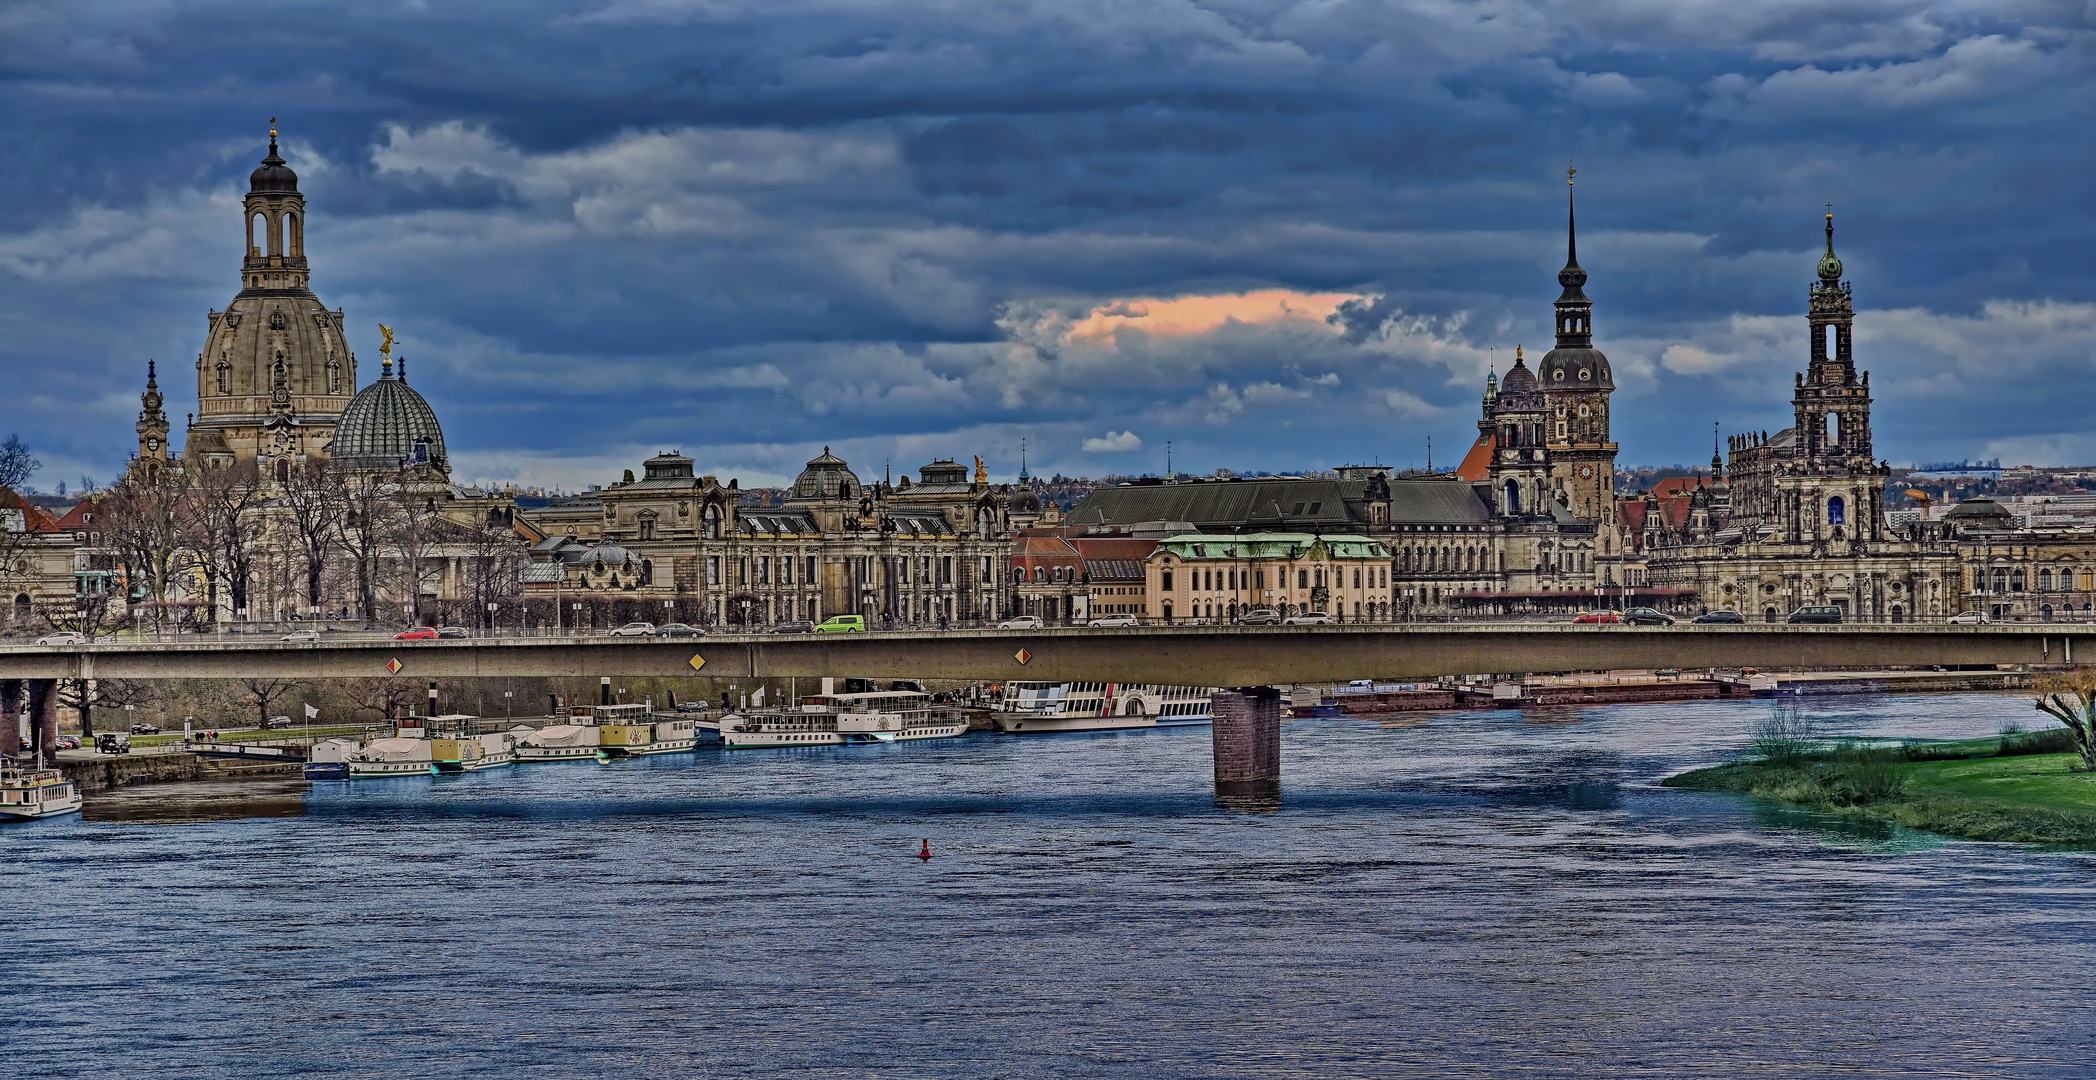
{"x": 1186, "y": 316}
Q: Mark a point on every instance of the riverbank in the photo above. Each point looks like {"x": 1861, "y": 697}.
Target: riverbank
{"x": 1979, "y": 789}
{"x": 104, "y": 773}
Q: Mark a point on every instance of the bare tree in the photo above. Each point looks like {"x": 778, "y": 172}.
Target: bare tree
{"x": 494, "y": 556}
{"x": 313, "y": 505}
{"x": 419, "y": 534}
{"x": 2071, "y": 697}
{"x": 17, "y": 464}
{"x": 370, "y": 515}
{"x": 223, "y": 521}
{"x": 263, "y": 693}
{"x": 82, "y": 695}
{"x": 141, "y": 519}
{"x": 384, "y": 696}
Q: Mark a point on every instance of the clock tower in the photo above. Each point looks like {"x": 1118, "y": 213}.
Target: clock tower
{"x": 1576, "y": 386}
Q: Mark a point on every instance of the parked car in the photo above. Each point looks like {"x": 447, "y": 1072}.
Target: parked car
{"x": 677, "y": 629}
{"x": 276, "y": 723}
{"x": 144, "y": 729}
{"x": 691, "y": 706}
{"x": 634, "y": 629}
{"x": 417, "y": 633}
{"x": 1721, "y": 617}
{"x": 67, "y": 742}
{"x": 308, "y": 636}
{"x": 1644, "y": 616}
{"x": 109, "y": 742}
{"x": 842, "y": 624}
{"x": 798, "y": 626}
{"x": 1022, "y": 622}
{"x": 1823, "y": 613}
{"x": 1598, "y": 617}
{"x": 1259, "y": 616}
{"x": 1308, "y": 618}
{"x": 1115, "y": 620}
{"x": 63, "y": 637}
{"x": 453, "y": 632}
{"x": 1969, "y": 618}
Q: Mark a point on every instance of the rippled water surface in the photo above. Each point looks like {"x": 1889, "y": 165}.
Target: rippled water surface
{"x": 1482, "y": 893}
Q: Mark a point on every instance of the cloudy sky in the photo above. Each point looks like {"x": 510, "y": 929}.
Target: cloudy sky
{"x": 1278, "y": 234}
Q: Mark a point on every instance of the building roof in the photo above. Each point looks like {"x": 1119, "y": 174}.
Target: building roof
{"x": 1223, "y": 503}
{"x": 1196, "y": 547}
{"x": 1477, "y": 464}
{"x": 386, "y": 426}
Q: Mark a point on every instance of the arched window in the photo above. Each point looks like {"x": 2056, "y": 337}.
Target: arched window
{"x": 257, "y": 234}
{"x": 712, "y": 521}
{"x": 1837, "y": 511}
{"x": 283, "y": 470}
{"x": 2016, "y": 580}
{"x": 647, "y": 571}
{"x": 1513, "y": 497}
{"x": 294, "y": 236}
{"x": 1018, "y": 575}
{"x": 1040, "y": 573}
{"x": 2045, "y": 580}
{"x": 1168, "y": 584}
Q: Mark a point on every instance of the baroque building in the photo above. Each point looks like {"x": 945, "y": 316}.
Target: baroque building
{"x": 275, "y": 371}
{"x": 675, "y": 544}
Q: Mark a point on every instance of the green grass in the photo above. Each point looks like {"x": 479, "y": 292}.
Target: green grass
{"x": 170, "y": 738}
{"x": 2027, "y": 798}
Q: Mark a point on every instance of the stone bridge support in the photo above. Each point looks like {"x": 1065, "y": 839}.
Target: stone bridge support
{"x": 43, "y": 715}
{"x": 1246, "y": 736}
{"x": 11, "y": 717}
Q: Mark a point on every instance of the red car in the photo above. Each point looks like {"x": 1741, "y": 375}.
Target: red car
{"x": 417, "y": 633}
{"x": 1599, "y": 617}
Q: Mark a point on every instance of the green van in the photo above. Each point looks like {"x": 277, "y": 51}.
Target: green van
{"x": 842, "y": 624}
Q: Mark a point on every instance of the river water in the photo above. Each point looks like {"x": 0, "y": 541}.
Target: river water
{"x": 1481, "y": 893}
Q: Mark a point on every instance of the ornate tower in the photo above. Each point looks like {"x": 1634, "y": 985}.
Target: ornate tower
{"x": 1833, "y": 488}
{"x": 152, "y": 424}
{"x": 1576, "y": 385}
{"x": 276, "y": 370}
{"x": 1521, "y": 456}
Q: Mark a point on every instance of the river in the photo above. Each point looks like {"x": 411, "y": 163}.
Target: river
{"x": 1477, "y": 893}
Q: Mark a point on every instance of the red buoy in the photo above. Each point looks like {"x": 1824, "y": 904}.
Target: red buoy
{"x": 926, "y": 851}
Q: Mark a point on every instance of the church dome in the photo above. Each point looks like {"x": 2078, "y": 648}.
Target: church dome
{"x": 1518, "y": 391}
{"x": 272, "y": 174}
{"x": 1575, "y": 368}
{"x": 388, "y": 426}
{"x": 1980, "y": 512}
{"x": 826, "y": 477}
{"x": 1024, "y": 501}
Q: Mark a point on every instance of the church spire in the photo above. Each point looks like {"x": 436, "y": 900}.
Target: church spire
{"x": 1575, "y": 313}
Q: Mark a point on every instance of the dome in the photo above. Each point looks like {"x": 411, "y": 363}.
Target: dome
{"x": 388, "y": 426}
{"x": 273, "y": 174}
{"x": 826, "y": 477}
{"x": 1830, "y": 263}
{"x": 611, "y": 555}
{"x": 1024, "y": 501}
{"x": 1575, "y": 368}
{"x": 1517, "y": 392}
{"x": 1980, "y": 511}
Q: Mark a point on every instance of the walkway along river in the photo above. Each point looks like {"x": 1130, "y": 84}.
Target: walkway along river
{"x": 1501, "y": 892}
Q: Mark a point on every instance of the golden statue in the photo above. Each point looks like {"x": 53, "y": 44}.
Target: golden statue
{"x": 982, "y": 475}
{"x": 386, "y": 349}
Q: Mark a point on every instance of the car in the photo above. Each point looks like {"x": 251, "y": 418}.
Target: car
{"x": 1817, "y": 613}
{"x": 634, "y": 629}
{"x": 1969, "y": 618}
{"x": 453, "y": 632}
{"x": 677, "y": 629}
{"x": 276, "y": 723}
{"x": 144, "y": 729}
{"x": 1115, "y": 620}
{"x": 1259, "y": 616}
{"x": 1308, "y": 618}
{"x": 63, "y": 637}
{"x": 842, "y": 624}
{"x": 67, "y": 742}
{"x": 1644, "y": 616}
{"x": 1598, "y": 617}
{"x": 417, "y": 633}
{"x": 1732, "y": 617}
{"x": 110, "y": 742}
{"x": 1022, "y": 622}
{"x": 691, "y": 706}
{"x": 797, "y": 626}
{"x": 302, "y": 636}
{"x": 1668, "y": 672}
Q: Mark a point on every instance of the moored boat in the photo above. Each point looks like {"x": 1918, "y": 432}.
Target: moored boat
{"x": 608, "y": 733}
{"x": 30, "y": 793}
{"x": 1046, "y": 708}
{"x": 847, "y": 719}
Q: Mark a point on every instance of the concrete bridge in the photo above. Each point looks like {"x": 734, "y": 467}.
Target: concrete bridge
{"x": 1177, "y": 655}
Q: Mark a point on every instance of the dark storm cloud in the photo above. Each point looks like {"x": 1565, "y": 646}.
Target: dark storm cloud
{"x": 1277, "y": 234}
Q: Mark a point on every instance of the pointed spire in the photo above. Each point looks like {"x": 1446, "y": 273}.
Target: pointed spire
{"x": 1830, "y": 264}
{"x": 1717, "y": 462}
{"x": 1572, "y": 276}
{"x": 151, "y": 381}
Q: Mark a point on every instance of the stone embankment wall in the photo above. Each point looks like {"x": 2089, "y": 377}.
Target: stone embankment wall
{"x": 102, "y": 774}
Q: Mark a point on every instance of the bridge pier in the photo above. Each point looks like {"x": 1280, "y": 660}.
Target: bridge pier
{"x": 10, "y": 716}
{"x": 1246, "y": 738}
{"x": 43, "y": 715}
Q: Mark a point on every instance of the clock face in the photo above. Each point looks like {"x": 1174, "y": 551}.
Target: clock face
{"x": 1586, "y": 472}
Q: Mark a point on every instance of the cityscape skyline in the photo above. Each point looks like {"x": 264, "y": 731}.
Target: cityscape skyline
{"x": 748, "y": 260}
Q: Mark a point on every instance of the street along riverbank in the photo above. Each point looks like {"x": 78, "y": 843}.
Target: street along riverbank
{"x": 2020, "y": 787}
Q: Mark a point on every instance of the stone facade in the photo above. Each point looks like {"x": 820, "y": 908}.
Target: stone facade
{"x": 1212, "y": 577}
{"x": 910, "y": 554}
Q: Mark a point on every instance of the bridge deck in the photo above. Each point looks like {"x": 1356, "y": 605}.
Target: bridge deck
{"x": 1179, "y": 655}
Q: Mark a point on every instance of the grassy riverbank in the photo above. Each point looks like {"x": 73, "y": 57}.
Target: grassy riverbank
{"x": 2006, "y": 788}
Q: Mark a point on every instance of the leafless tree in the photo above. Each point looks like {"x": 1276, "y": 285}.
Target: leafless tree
{"x": 263, "y": 693}
{"x": 17, "y": 464}
{"x": 141, "y": 519}
{"x": 223, "y": 521}
{"x": 370, "y": 515}
{"x": 384, "y": 696}
{"x": 2071, "y": 697}
{"x": 313, "y": 503}
{"x": 418, "y": 537}
{"x": 494, "y": 554}
{"x": 83, "y": 695}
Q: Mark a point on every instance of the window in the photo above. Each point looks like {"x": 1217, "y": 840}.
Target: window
{"x": 1018, "y": 575}
{"x": 1259, "y": 579}
{"x": 2045, "y": 580}
{"x": 647, "y": 528}
{"x": 1302, "y": 579}
{"x": 712, "y": 519}
{"x": 1357, "y": 579}
{"x": 647, "y": 572}
{"x": 713, "y": 569}
{"x": 763, "y": 569}
{"x": 1168, "y": 579}
{"x": 1837, "y": 511}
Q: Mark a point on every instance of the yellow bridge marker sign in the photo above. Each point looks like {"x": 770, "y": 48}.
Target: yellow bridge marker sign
{"x": 1022, "y": 656}
{"x": 697, "y": 661}
{"x": 394, "y": 665}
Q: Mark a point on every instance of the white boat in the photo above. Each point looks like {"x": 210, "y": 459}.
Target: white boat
{"x": 471, "y": 753}
{"x": 874, "y": 716}
{"x": 608, "y": 733}
{"x": 30, "y": 793}
{"x": 391, "y": 757}
{"x": 1046, "y": 708}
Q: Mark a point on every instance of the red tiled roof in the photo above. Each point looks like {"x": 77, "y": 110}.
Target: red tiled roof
{"x": 76, "y": 518}
{"x": 1477, "y": 464}
{"x": 1674, "y": 486}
